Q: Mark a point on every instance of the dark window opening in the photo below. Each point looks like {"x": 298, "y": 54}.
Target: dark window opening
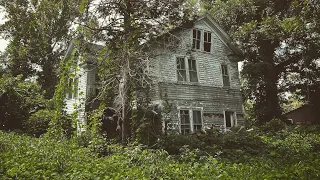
{"x": 207, "y": 41}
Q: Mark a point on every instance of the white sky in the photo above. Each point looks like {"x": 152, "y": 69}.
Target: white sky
{"x": 3, "y": 43}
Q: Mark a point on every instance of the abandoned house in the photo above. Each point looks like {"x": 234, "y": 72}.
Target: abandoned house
{"x": 199, "y": 77}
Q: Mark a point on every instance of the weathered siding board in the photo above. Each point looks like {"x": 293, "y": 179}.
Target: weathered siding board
{"x": 200, "y": 93}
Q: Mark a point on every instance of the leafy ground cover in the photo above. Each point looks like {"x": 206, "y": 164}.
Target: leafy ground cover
{"x": 287, "y": 154}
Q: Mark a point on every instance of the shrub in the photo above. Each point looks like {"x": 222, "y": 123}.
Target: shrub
{"x": 18, "y": 98}
{"x": 274, "y": 125}
{"x": 38, "y": 123}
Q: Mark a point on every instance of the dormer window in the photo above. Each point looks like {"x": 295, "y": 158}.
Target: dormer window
{"x": 207, "y": 41}
{"x": 196, "y": 39}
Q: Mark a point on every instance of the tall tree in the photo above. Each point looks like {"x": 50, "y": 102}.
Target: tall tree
{"x": 271, "y": 34}
{"x": 126, "y": 27}
{"x": 38, "y": 31}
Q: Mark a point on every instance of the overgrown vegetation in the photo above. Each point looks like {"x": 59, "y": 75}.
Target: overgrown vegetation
{"x": 236, "y": 155}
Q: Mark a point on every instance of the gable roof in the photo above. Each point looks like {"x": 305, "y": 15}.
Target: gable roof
{"x": 223, "y": 35}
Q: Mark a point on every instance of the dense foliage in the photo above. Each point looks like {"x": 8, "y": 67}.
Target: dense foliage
{"x": 18, "y": 99}
{"x": 37, "y": 32}
{"x": 280, "y": 44}
{"x": 291, "y": 153}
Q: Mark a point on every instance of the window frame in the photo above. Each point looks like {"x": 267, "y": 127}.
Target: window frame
{"x": 73, "y": 88}
{"x": 187, "y": 69}
{"x": 202, "y": 42}
{"x": 191, "y": 124}
{"x": 195, "y": 39}
{"x": 227, "y": 76}
{"x": 178, "y": 70}
{"x": 210, "y": 42}
{"x": 233, "y": 119}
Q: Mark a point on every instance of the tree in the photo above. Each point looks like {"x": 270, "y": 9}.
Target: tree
{"x": 18, "y": 98}
{"x": 272, "y": 35}
{"x": 126, "y": 27}
{"x": 38, "y": 31}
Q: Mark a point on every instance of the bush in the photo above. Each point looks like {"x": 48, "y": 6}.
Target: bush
{"x": 38, "y": 123}
{"x": 273, "y": 126}
{"x": 18, "y": 98}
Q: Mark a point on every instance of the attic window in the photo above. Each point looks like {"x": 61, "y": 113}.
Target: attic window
{"x": 207, "y": 41}
{"x": 196, "y": 39}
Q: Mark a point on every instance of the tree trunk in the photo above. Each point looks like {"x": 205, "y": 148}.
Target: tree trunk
{"x": 125, "y": 98}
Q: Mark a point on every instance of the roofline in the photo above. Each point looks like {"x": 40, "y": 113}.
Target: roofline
{"x": 305, "y": 105}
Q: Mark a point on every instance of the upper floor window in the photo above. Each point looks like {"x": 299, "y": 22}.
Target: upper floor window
{"x": 196, "y": 39}
{"x": 200, "y": 43}
{"x": 73, "y": 88}
{"x": 207, "y": 41}
{"x": 193, "y": 70}
{"x": 225, "y": 75}
{"x": 181, "y": 69}
{"x": 187, "y": 70}
{"x": 190, "y": 121}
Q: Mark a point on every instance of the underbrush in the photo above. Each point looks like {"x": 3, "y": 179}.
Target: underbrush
{"x": 288, "y": 154}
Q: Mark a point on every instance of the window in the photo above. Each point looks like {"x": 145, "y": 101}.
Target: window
{"x": 181, "y": 69}
{"x": 197, "y": 122}
{"x": 207, "y": 41}
{"x": 225, "y": 75}
{"x": 73, "y": 88}
{"x": 185, "y": 122}
{"x": 190, "y": 122}
{"x": 193, "y": 70}
{"x": 196, "y": 39}
{"x": 230, "y": 119}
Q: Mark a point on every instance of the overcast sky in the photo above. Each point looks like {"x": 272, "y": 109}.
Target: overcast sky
{"x": 3, "y": 43}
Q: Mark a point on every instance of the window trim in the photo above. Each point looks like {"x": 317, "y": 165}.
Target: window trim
{"x": 190, "y": 109}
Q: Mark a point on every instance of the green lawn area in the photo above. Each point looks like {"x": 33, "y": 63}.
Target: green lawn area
{"x": 289, "y": 154}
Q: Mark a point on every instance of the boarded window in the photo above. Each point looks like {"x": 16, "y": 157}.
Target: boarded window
{"x": 207, "y": 41}
{"x": 196, "y": 39}
{"x": 197, "y": 121}
{"x": 185, "y": 122}
{"x": 181, "y": 69}
{"x": 225, "y": 75}
{"x": 193, "y": 70}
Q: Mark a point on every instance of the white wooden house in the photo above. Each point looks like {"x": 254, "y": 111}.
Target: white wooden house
{"x": 199, "y": 77}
